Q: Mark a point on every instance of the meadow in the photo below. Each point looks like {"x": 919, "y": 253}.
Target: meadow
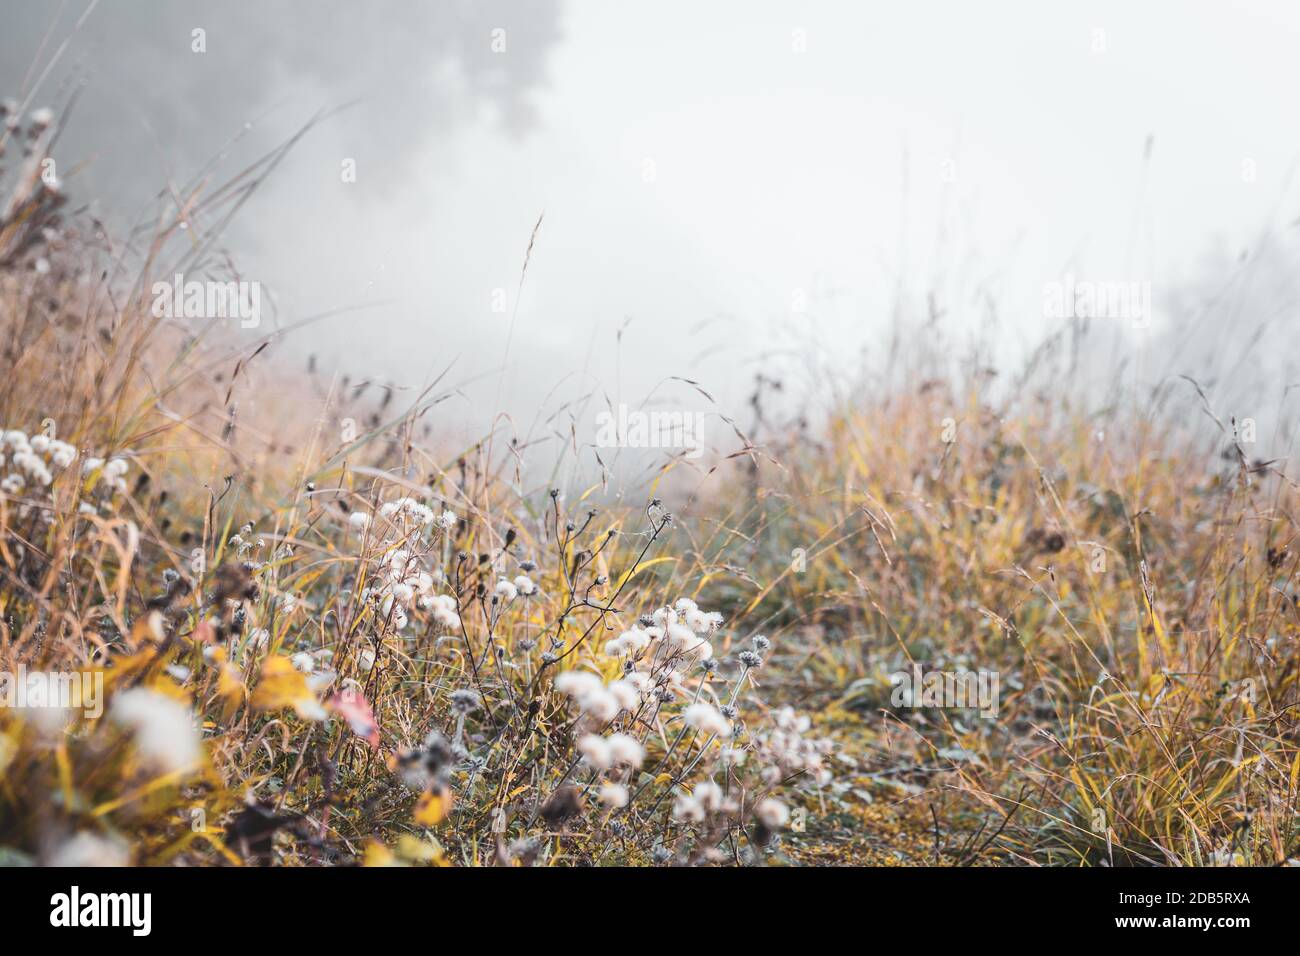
{"x": 324, "y": 637}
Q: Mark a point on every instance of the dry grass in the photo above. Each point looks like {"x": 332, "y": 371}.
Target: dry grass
{"x": 364, "y": 690}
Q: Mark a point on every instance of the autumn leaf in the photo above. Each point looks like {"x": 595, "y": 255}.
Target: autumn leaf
{"x": 418, "y": 851}
{"x": 432, "y": 807}
{"x": 353, "y": 707}
{"x": 230, "y": 685}
{"x": 281, "y": 685}
{"x": 379, "y": 855}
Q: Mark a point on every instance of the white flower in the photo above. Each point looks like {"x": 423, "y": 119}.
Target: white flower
{"x": 600, "y": 704}
{"x": 525, "y": 585}
{"x": 358, "y": 520}
{"x": 591, "y": 696}
{"x": 664, "y": 616}
{"x": 626, "y": 749}
{"x": 575, "y": 683}
{"x": 506, "y": 591}
{"x": 444, "y": 610}
{"x": 302, "y": 661}
{"x": 614, "y": 795}
{"x": 635, "y": 640}
{"x": 626, "y": 694}
{"x": 448, "y": 520}
{"x": 709, "y": 794}
{"x": 62, "y": 454}
{"x": 366, "y": 659}
{"x": 595, "y": 750}
{"x": 706, "y": 719}
{"x": 685, "y": 606}
{"x": 684, "y": 639}
{"x": 90, "y": 849}
{"x": 164, "y": 728}
{"x": 773, "y": 814}
{"x": 42, "y": 117}
{"x": 688, "y": 808}
{"x": 116, "y": 467}
{"x": 87, "y": 466}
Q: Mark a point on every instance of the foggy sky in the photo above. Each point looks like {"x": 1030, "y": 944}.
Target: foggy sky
{"x": 725, "y": 185}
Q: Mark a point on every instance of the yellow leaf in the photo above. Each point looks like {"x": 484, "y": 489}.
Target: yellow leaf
{"x": 432, "y": 807}
{"x": 281, "y": 685}
{"x": 378, "y": 855}
{"x": 230, "y": 685}
{"x": 411, "y": 848}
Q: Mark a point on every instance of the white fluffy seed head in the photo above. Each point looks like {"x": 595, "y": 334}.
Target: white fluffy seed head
{"x": 595, "y": 750}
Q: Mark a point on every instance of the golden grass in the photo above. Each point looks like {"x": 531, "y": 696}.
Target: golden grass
{"x": 1135, "y": 593}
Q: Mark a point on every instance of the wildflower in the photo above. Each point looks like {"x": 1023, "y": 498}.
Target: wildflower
{"x": 600, "y": 704}
{"x": 750, "y": 660}
{"x": 706, "y": 719}
{"x": 636, "y": 640}
{"x": 575, "y": 683}
{"x": 524, "y": 584}
{"x": 426, "y": 766}
{"x": 773, "y": 814}
{"x": 444, "y": 610}
{"x": 760, "y": 643}
{"x": 687, "y": 808}
{"x": 448, "y": 520}
{"x": 595, "y": 750}
{"x": 303, "y": 662}
{"x": 506, "y": 591}
{"x": 465, "y": 701}
{"x": 42, "y": 117}
{"x": 684, "y": 639}
{"x": 624, "y": 749}
{"x": 62, "y": 454}
{"x": 664, "y": 617}
{"x": 614, "y": 795}
{"x": 709, "y": 795}
{"x": 626, "y": 694}
{"x": 358, "y": 520}
{"x": 90, "y": 849}
{"x": 366, "y": 659}
{"x": 163, "y": 727}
